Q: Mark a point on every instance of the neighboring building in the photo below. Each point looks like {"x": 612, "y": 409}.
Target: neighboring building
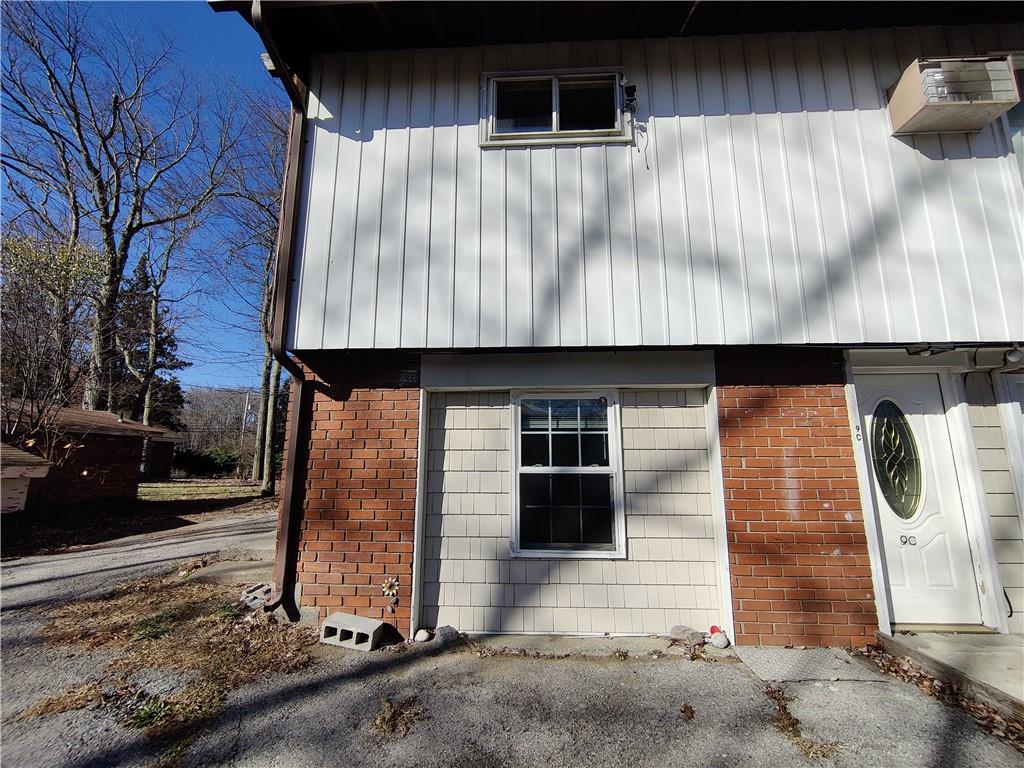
{"x": 612, "y": 316}
{"x": 17, "y": 470}
{"x": 102, "y": 462}
{"x": 160, "y": 457}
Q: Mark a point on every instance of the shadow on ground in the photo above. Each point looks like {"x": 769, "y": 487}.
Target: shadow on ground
{"x": 160, "y": 507}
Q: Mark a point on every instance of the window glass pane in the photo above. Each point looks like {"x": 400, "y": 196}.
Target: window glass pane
{"x": 534, "y": 526}
{"x": 522, "y": 106}
{"x": 565, "y": 490}
{"x": 565, "y": 525}
{"x": 594, "y": 414}
{"x": 534, "y": 415}
{"x": 565, "y": 450}
{"x": 534, "y": 450}
{"x": 597, "y": 490}
{"x": 597, "y": 526}
{"x": 565, "y": 414}
{"x": 534, "y": 490}
{"x": 586, "y": 105}
{"x": 594, "y": 450}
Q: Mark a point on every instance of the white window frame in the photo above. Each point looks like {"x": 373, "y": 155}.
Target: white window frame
{"x": 489, "y": 137}
{"x": 614, "y": 468}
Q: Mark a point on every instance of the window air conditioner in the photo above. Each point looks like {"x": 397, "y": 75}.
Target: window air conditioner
{"x": 952, "y": 95}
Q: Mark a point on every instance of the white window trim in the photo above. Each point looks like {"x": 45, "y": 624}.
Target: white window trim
{"x": 614, "y": 468}
{"x": 622, "y": 133}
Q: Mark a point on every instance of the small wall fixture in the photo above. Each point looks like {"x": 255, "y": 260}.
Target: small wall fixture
{"x": 927, "y": 350}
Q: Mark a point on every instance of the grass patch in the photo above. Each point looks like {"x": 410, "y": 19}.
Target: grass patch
{"x": 178, "y": 626}
{"x": 789, "y": 726}
{"x": 79, "y": 697}
{"x": 396, "y": 718}
{"x": 148, "y": 714}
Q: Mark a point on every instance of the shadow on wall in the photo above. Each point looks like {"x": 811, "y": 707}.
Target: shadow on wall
{"x": 531, "y": 593}
{"x": 760, "y": 76}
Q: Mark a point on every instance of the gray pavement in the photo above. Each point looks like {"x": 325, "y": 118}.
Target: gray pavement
{"x": 482, "y": 704}
{"x": 33, "y": 670}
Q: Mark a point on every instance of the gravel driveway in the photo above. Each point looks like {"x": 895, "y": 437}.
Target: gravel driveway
{"x": 465, "y": 707}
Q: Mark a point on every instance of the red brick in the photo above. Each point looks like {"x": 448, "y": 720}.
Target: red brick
{"x": 790, "y": 493}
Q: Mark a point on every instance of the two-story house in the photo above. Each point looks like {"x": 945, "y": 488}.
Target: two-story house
{"x": 609, "y": 317}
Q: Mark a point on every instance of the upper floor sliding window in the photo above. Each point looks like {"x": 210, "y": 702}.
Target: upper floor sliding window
{"x": 570, "y": 107}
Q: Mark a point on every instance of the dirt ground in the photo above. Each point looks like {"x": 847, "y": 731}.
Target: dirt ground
{"x": 161, "y": 506}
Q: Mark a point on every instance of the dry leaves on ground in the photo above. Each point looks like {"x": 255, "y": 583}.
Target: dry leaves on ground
{"x": 1009, "y": 730}
{"x": 178, "y": 626}
{"x": 789, "y": 726}
{"x": 80, "y": 697}
{"x": 396, "y": 718}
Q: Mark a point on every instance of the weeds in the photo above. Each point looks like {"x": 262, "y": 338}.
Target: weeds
{"x": 148, "y": 714}
{"x": 180, "y": 627}
{"x": 789, "y": 726}
{"x": 396, "y": 718}
{"x": 79, "y": 697}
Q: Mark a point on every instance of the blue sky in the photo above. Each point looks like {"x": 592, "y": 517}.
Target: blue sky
{"x": 220, "y": 47}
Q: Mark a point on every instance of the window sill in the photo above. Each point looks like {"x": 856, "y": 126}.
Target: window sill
{"x": 540, "y": 141}
{"x": 567, "y": 554}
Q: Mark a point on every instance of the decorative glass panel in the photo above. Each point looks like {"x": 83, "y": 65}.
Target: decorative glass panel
{"x": 896, "y": 461}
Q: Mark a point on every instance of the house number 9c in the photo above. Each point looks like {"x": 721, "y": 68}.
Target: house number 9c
{"x": 911, "y": 540}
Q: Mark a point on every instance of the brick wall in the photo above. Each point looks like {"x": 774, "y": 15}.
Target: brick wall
{"x": 104, "y": 468}
{"x": 797, "y": 549}
{"x": 360, "y": 478}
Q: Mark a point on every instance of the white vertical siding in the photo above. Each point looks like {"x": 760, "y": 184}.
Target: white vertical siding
{"x": 763, "y": 201}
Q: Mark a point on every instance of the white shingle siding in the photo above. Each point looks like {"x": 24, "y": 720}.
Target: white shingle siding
{"x": 670, "y": 575}
{"x": 764, "y": 201}
{"x": 1000, "y": 498}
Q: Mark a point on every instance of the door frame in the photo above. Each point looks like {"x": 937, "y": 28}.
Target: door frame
{"x": 968, "y": 475}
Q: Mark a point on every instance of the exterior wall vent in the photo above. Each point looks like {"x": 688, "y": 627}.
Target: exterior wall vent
{"x": 952, "y": 95}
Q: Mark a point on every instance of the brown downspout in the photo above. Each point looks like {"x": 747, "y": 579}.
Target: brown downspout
{"x": 297, "y": 440}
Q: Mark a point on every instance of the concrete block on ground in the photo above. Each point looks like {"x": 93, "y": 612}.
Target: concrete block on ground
{"x": 257, "y": 596}
{"x": 354, "y": 632}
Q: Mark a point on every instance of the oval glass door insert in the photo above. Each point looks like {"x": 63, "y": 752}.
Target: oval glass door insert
{"x": 895, "y": 458}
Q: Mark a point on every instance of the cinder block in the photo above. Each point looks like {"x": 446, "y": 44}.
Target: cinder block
{"x": 355, "y": 632}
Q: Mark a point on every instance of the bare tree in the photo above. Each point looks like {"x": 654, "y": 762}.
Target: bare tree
{"x": 251, "y": 207}
{"x": 104, "y": 139}
{"x": 146, "y": 338}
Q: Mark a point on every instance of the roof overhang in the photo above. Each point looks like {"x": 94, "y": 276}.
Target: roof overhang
{"x": 293, "y": 30}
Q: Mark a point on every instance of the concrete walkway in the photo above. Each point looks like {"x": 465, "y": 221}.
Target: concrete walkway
{"x": 500, "y": 702}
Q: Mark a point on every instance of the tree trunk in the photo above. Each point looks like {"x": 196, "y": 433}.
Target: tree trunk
{"x": 271, "y": 423}
{"x": 261, "y": 419}
{"x": 100, "y": 381}
{"x": 144, "y": 399}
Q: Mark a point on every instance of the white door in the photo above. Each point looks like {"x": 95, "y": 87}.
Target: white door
{"x": 921, "y": 515}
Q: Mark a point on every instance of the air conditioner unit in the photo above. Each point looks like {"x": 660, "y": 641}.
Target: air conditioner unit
{"x": 952, "y": 95}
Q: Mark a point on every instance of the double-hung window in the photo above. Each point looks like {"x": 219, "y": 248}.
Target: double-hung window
{"x": 552, "y": 108}
{"x": 567, "y": 495}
